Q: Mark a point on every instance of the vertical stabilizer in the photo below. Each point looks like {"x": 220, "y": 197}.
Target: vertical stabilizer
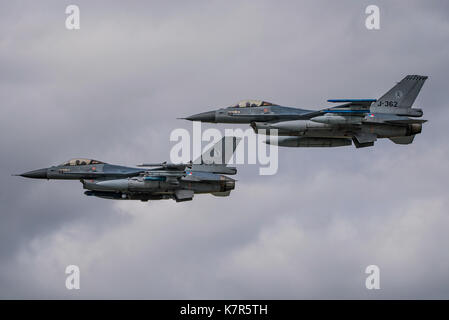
{"x": 220, "y": 153}
{"x": 400, "y": 98}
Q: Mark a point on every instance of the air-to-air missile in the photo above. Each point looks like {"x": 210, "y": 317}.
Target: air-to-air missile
{"x": 152, "y": 181}
{"x": 361, "y": 121}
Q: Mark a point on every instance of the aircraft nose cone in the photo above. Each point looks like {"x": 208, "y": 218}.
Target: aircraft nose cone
{"x": 208, "y": 116}
{"x": 36, "y": 174}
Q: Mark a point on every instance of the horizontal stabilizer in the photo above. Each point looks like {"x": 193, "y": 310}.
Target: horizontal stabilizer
{"x": 406, "y": 121}
{"x": 390, "y": 118}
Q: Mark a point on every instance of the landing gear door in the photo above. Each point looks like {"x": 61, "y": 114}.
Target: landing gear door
{"x": 183, "y": 195}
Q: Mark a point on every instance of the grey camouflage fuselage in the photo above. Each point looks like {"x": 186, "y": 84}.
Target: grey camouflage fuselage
{"x": 161, "y": 181}
{"x": 361, "y": 121}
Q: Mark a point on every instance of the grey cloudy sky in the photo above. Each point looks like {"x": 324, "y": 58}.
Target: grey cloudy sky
{"x": 112, "y": 90}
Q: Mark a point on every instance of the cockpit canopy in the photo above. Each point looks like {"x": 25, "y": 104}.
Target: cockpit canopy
{"x": 252, "y": 103}
{"x": 81, "y": 162}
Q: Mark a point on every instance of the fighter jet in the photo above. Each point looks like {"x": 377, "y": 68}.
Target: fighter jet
{"x": 151, "y": 181}
{"x": 361, "y": 121}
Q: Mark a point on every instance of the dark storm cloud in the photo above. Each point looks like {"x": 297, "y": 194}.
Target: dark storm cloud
{"x": 112, "y": 91}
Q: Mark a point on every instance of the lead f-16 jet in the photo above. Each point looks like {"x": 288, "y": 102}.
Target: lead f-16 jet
{"x": 361, "y": 121}
{"x": 151, "y": 181}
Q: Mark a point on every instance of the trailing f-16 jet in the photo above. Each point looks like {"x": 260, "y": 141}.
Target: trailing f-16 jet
{"x": 361, "y": 121}
{"x": 151, "y": 181}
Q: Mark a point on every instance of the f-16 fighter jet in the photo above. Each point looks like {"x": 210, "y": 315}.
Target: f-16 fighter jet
{"x": 361, "y": 121}
{"x": 151, "y": 181}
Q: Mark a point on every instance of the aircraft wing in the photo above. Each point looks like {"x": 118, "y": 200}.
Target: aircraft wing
{"x": 167, "y": 166}
{"x": 354, "y": 102}
{"x": 352, "y": 106}
{"x": 202, "y": 176}
{"x": 93, "y": 174}
{"x": 163, "y": 173}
